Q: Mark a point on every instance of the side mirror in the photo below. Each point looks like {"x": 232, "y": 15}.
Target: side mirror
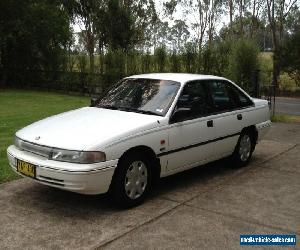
{"x": 93, "y": 102}
{"x": 180, "y": 114}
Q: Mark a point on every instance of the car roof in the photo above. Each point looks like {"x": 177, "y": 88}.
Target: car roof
{"x": 178, "y": 77}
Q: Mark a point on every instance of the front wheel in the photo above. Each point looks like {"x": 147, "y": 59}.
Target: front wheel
{"x": 244, "y": 149}
{"x": 132, "y": 181}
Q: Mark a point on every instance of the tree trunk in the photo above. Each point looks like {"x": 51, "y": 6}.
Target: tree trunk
{"x": 276, "y": 66}
{"x": 253, "y": 17}
{"x": 92, "y": 62}
{"x": 271, "y": 17}
{"x": 3, "y": 71}
{"x": 101, "y": 55}
{"x": 230, "y": 3}
{"x": 90, "y": 46}
{"x": 241, "y": 17}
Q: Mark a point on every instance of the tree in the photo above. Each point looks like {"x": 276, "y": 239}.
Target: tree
{"x": 146, "y": 62}
{"x": 119, "y": 26}
{"x": 257, "y": 6}
{"x": 290, "y": 54}
{"x": 253, "y": 29}
{"x": 87, "y": 13}
{"x": 33, "y": 35}
{"x": 277, "y": 11}
{"x": 179, "y": 34}
{"x": 160, "y": 34}
{"x": 222, "y": 50}
{"x": 160, "y": 55}
{"x": 175, "y": 61}
{"x": 199, "y": 10}
{"x": 243, "y": 61}
{"x": 242, "y": 9}
{"x": 231, "y": 12}
{"x": 189, "y": 56}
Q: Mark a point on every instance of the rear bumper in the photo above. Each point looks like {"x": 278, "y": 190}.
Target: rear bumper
{"x": 262, "y": 129}
{"x": 79, "y": 178}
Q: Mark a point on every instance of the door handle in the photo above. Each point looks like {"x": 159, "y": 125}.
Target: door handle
{"x": 210, "y": 123}
{"x": 239, "y": 117}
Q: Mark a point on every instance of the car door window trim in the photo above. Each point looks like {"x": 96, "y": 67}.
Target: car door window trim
{"x": 226, "y": 113}
{"x": 217, "y": 112}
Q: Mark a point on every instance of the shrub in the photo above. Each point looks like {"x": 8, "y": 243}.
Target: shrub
{"x": 175, "y": 61}
{"x": 160, "y": 55}
{"x": 189, "y": 56}
{"x": 146, "y": 62}
{"x": 243, "y": 61}
{"x": 286, "y": 82}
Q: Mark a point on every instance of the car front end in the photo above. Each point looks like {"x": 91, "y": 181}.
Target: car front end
{"x": 68, "y": 151}
{"x": 87, "y": 175}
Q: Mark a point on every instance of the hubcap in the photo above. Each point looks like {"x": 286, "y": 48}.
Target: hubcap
{"x": 245, "y": 147}
{"x": 136, "y": 179}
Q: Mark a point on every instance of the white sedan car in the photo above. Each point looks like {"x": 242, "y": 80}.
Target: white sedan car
{"x": 145, "y": 127}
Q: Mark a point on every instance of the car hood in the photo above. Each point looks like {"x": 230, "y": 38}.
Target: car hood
{"x": 86, "y": 128}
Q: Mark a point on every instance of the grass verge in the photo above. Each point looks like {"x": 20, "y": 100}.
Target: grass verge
{"x": 285, "y": 118}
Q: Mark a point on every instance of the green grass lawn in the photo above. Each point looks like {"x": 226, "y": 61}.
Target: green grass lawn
{"x": 19, "y": 108}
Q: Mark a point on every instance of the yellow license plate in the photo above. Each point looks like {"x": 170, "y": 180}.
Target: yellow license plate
{"x": 26, "y": 168}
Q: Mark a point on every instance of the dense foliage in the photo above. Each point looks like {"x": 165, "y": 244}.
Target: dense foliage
{"x": 39, "y": 48}
{"x": 33, "y": 35}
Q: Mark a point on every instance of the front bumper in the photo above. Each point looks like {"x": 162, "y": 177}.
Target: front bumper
{"x": 80, "y": 178}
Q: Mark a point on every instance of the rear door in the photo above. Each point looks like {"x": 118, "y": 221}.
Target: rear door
{"x": 230, "y": 109}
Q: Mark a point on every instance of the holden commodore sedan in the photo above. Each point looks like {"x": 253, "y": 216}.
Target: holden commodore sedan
{"x": 145, "y": 127}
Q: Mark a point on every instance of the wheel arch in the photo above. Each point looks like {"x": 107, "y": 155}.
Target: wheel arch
{"x": 149, "y": 152}
{"x": 252, "y": 129}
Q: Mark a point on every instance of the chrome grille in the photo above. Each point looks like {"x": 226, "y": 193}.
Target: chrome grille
{"x": 33, "y": 148}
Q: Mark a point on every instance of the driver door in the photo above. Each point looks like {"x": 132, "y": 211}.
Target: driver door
{"x": 191, "y": 132}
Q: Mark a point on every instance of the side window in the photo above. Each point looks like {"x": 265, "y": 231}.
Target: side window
{"x": 223, "y": 99}
{"x": 195, "y": 97}
{"x": 240, "y": 98}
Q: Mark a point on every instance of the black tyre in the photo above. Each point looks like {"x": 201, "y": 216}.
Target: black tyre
{"x": 131, "y": 181}
{"x": 244, "y": 149}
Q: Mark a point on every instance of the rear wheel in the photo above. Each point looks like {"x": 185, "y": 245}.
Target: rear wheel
{"x": 132, "y": 180}
{"x": 244, "y": 149}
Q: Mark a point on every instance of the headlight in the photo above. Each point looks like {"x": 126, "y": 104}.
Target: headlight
{"x": 77, "y": 156}
{"x": 56, "y": 154}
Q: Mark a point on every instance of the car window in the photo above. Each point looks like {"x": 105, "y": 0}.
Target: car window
{"x": 240, "y": 98}
{"x": 141, "y": 95}
{"x": 195, "y": 97}
{"x": 222, "y": 97}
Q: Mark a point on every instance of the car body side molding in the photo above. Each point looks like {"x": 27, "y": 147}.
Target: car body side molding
{"x": 197, "y": 144}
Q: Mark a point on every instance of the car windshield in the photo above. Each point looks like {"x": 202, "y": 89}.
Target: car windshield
{"x": 148, "y": 96}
